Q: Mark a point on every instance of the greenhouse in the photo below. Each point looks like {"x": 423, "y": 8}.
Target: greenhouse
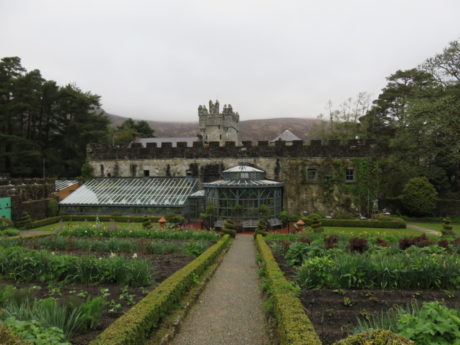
{"x": 126, "y": 195}
{"x": 245, "y": 194}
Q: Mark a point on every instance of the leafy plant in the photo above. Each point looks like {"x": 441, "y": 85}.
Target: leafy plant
{"x": 419, "y": 197}
{"x": 36, "y": 333}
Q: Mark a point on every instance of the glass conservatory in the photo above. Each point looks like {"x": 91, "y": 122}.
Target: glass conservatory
{"x": 244, "y": 193}
{"x": 130, "y": 195}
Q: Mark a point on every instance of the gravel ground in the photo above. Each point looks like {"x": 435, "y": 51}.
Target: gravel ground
{"x": 425, "y": 230}
{"x": 229, "y": 311}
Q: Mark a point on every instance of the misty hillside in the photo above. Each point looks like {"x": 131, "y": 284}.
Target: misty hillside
{"x": 265, "y": 129}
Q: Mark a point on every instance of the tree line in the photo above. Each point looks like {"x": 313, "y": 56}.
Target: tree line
{"x": 416, "y": 118}
{"x": 44, "y": 127}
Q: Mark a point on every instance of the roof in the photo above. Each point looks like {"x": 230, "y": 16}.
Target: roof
{"x": 287, "y": 135}
{"x": 243, "y": 183}
{"x": 243, "y": 168}
{"x": 173, "y": 140}
{"x": 133, "y": 191}
{"x": 62, "y": 184}
{"x": 197, "y": 194}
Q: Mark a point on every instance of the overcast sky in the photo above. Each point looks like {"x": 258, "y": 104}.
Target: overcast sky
{"x": 158, "y": 60}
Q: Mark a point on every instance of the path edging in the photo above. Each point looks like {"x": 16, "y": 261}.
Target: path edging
{"x": 170, "y": 326}
{"x": 135, "y": 326}
{"x": 294, "y": 326}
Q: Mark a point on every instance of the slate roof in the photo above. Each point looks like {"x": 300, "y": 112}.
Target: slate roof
{"x": 287, "y": 135}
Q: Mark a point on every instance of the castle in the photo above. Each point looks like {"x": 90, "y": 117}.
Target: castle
{"x": 311, "y": 171}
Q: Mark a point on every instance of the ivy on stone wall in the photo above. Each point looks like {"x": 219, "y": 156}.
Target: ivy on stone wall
{"x": 350, "y": 196}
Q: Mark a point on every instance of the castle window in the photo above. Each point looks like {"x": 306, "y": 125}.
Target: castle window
{"x": 312, "y": 174}
{"x": 133, "y": 170}
{"x": 146, "y": 173}
{"x": 102, "y": 170}
{"x": 349, "y": 175}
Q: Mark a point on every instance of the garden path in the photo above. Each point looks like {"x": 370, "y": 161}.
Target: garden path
{"x": 425, "y": 230}
{"x": 229, "y": 311}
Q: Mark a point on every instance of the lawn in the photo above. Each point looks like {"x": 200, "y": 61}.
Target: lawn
{"x": 371, "y": 231}
{"x": 436, "y": 226}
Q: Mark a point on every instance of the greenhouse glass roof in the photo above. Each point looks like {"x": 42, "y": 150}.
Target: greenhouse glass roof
{"x": 134, "y": 191}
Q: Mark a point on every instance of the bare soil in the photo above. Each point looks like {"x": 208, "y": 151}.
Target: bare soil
{"x": 335, "y": 312}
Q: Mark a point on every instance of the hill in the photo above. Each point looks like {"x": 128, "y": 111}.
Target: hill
{"x": 263, "y": 129}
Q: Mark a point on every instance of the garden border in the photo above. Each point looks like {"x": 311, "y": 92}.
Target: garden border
{"x": 294, "y": 326}
{"x": 134, "y": 327}
{"x": 123, "y": 219}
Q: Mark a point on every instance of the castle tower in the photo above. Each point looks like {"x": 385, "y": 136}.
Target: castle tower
{"x": 219, "y": 126}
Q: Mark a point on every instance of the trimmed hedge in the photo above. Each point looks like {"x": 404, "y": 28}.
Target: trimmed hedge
{"x": 81, "y": 218}
{"x": 135, "y": 326}
{"x": 294, "y": 326}
{"x": 356, "y": 223}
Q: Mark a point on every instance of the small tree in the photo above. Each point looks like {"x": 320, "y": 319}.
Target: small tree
{"x": 24, "y": 221}
{"x": 419, "y": 197}
{"x": 147, "y": 223}
{"x": 52, "y": 208}
{"x": 86, "y": 172}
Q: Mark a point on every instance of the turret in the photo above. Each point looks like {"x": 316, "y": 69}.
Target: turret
{"x": 217, "y": 126}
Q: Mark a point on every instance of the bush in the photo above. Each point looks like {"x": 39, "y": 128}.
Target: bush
{"x": 25, "y": 221}
{"x": 356, "y": 223}
{"x": 419, "y": 197}
{"x": 8, "y": 337}
{"x": 294, "y": 326}
{"x": 10, "y": 232}
{"x": 312, "y": 218}
{"x": 358, "y": 244}
{"x": 5, "y": 223}
{"x": 52, "y": 208}
{"x": 146, "y": 223}
{"x": 331, "y": 241}
{"x": 447, "y": 228}
{"x": 375, "y": 337}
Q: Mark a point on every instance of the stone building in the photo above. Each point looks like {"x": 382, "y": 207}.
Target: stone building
{"x": 312, "y": 172}
{"x": 218, "y": 126}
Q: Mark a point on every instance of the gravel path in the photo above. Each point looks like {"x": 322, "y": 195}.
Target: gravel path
{"x": 229, "y": 311}
{"x": 425, "y": 230}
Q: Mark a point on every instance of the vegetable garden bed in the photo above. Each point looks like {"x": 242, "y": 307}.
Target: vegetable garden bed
{"x": 108, "y": 273}
{"x": 363, "y": 278}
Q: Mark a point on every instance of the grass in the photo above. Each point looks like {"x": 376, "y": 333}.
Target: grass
{"x": 436, "y": 226}
{"x": 371, "y": 231}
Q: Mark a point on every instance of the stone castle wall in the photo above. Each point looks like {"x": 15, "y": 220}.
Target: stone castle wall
{"x": 280, "y": 160}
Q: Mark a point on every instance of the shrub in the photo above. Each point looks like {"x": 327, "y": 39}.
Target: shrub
{"x": 375, "y": 337}
{"x": 381, "y": 243}
{"x": 24, "y": 221}
{"x": 147, "y": 223}
{"x": 294, "y": 326}
{"x": 419, "y": 241}
{"x": 443, "y": 243}
{"x": 316, "y": 226}
{"x": 331, "y": 241}
{"x": 10, "y": 232}
{"x": 5, "y": 223}
{"x": 8, "y": 337}
{"x": 52, "y": 208}
{"x": 447, "y": 228}
{"x": 229, "y": 227}
{"x": 358, "y": 244}
{"x": 312, "y": 219}
{"x": 356, "y": 223}
{"x": 419, "y": 197}
{"x": 305, "y": 240}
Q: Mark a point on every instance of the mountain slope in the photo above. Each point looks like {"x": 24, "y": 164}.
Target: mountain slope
{"x": 264, "y": 129}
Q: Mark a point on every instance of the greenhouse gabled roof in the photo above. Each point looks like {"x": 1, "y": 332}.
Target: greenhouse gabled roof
{"x": 133, "y": 192}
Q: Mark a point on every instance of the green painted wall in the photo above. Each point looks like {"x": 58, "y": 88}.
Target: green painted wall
{"x": 5, "y": 207}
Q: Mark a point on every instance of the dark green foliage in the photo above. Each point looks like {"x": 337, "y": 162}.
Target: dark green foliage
{"x": 87, "y": 172}
{"x": 5, "y": 223}
{"x": 124, "y": 134}
{"x": 34, "y": 332}
{"x": 147, "y": 223}
{"x": 25, "y": 265}
{"x": 230, "y": 227}
{"x": 52, "y": 208}
{"x": 419, "y": 197}
{"x": 447, "y": 229}
{"x": 43, "y": 124}
{"x": 364, "y": 223}
{"x": 10, "y": 338}
{"x": 25, "y": 221}
{"x": 428, "y": 324}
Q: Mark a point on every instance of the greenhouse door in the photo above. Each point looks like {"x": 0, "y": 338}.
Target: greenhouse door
{"x": 5, "y": 207}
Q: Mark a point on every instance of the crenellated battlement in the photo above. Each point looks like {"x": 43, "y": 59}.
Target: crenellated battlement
{"x": 230, "y": 149}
